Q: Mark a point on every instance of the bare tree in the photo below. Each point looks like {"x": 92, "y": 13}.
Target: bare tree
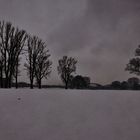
{"x": 67, "y": 65}
{"x": 12, "y": 41}
{"x": 34, "y": 45}
{"x": 43, "y": 64}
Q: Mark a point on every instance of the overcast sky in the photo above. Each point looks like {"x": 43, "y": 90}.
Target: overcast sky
{"x": 101, "y": 34}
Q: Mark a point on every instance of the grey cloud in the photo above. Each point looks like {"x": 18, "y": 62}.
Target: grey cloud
{"x": 99, "y": 33}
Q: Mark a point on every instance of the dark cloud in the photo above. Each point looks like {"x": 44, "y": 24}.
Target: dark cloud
{"x": 102, "y": 35}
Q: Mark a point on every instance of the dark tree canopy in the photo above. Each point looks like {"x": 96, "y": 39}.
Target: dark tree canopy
{"x": 80, "y": 82}
{"x": 134, "y": 83}
{"x": 116, "y": 85}
{"x": 134, "y": 64}
{"x": 67, "y": 66}
{"x": 124, "y": 85}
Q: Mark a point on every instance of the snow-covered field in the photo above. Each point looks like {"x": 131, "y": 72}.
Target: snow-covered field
{"x": 51, "y": 114}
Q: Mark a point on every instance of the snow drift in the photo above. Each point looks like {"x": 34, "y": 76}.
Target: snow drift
{"x": 69, "y": 115}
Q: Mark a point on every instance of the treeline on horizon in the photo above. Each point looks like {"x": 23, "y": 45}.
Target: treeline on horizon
{"x": 15, "y": 43}
{"x": 79, "y": 82}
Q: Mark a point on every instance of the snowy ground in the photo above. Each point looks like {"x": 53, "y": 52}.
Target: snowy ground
{"x": 69, "y": 115}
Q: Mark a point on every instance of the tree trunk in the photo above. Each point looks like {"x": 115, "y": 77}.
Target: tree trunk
{"x": 66, "y": 86}
{"x": 39, "y": 84}
{"x": 6, "y": 82}
{"x": 16, "y": 75}
{"x": 10, "y": 82}
{"x": 31, "y": 84}
{"x": 16, "y": 82}
{"x": 1, "y": 79}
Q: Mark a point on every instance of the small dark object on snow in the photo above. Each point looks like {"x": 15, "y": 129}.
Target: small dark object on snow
{"x": 19, "y": 98}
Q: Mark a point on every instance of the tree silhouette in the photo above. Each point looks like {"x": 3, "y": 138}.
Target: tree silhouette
{"x": 12, "y": 41}
{"x": 134, "y": 64}
{"x": 67, "y": 66}
{"x": 33, "y": 44}
{"x": 79, "y": 82}
{"x": 134, "y": 83}
{"x": 116, "y": 85}
{"x": 124, "y": 85}
{"x": 38, "y": 64}
{"x": 43, "y": 64}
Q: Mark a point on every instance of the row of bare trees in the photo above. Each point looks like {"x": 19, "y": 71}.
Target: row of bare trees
{"x": 14, "y": 43}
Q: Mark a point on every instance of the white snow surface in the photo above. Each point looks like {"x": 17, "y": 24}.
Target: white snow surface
{"x": 55, "y": 114}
